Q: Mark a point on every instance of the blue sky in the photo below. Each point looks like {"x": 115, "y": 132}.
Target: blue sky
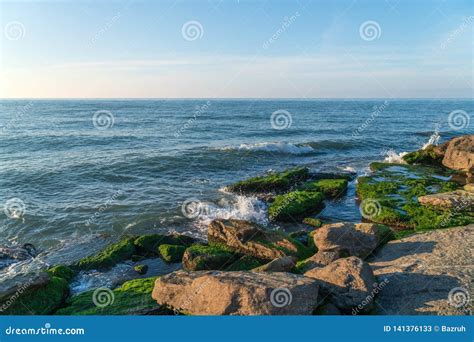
{"x": 291, "y": 49}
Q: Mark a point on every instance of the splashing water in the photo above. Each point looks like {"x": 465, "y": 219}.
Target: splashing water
{"x": 434, "y": 138}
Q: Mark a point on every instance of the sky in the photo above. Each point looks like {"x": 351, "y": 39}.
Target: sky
{"x": 237, "y": 49}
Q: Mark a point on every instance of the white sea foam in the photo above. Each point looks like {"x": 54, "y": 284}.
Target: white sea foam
{"x": 434, "y": 138}
{"x": 238, "y": 207}
{"x": 276, "y": 147}
{"x": 394, "y": 157}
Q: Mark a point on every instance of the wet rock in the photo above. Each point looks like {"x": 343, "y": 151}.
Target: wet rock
{"x": 251, "y": 239}
{"x": 237, "y": 293}
{"x": 349, "y": 281}
{"x": 275, "y": 182}
{"x": 295, "y": 205}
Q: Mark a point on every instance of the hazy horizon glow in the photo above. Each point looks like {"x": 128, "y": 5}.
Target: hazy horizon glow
{"x": 237, "y": 49}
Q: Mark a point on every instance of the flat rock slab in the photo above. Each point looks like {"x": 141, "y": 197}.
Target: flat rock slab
{"x": 237, "y": 293}
{"x": 460, "y": 199}
{"x": 427, "y": 274}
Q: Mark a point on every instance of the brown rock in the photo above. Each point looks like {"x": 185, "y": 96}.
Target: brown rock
{"x": 459, "y": 154}
{"x": 237, "y": 293}
{"x": 251, "y": 239}
{"x": 283, "y": 264}
{"x": 350, "y": 239}
{"x": 460, "y": 199}
{"x": 349, "y": 281}
{"x": 427, "y": 274}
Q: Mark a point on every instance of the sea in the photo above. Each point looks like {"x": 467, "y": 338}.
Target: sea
{"x": 73, "y": 172}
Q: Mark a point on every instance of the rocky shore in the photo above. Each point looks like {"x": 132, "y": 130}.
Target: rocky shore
{"x": 412, "y": 254}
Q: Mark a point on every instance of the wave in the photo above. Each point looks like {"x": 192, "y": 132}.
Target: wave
{"x": 433, "y": 140}
{"x": 291, "y": 148}
{"x": 238, "y": 207}
{"x": 393, "y": 157}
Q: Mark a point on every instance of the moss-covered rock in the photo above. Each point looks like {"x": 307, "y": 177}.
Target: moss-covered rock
{"x": 295, "y": 205}
{"x": 244, "y": 263}
{"x": 208, "y": 257}
{"x": 62, "y": 271}
{"x": 41, "y": 300}
{"x": 148, "y": 244}
{"x": 274, "y": 182}
{"x": 132, "y": 298}
{"x": 249, "y": 238}
{"x": 109, "y": 257}
{"x": 392, "y": 193}
{"x": 331, "y": 188}
{"x": 141, "y": 269}
{"x": 428, "y": 156}
{"x": 313, "y": 222}
{"x": 171, "y": 253}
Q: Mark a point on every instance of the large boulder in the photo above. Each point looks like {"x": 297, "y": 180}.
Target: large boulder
{"x": 350, "y": 239}
{"x": 349, "y": 281}
{"x": 237, "y": 293}
{"x": 459, "y": 154}
{"x": 459, "y": 199}
{"x": 427, "y": 274}
{"x": 249, "y": 238}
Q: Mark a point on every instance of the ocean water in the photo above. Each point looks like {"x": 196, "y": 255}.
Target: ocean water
{"x": 72, "y": 170}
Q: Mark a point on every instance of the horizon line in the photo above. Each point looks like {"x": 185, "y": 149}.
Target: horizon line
{"x": 237, "y": 98}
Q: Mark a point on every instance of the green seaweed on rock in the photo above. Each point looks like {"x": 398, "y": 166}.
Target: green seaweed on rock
{"x": 294, "y": 205}
{"x": 273, "y": 182}
{"x": 132, "y": 298}
{"x": 331, "y": 188}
